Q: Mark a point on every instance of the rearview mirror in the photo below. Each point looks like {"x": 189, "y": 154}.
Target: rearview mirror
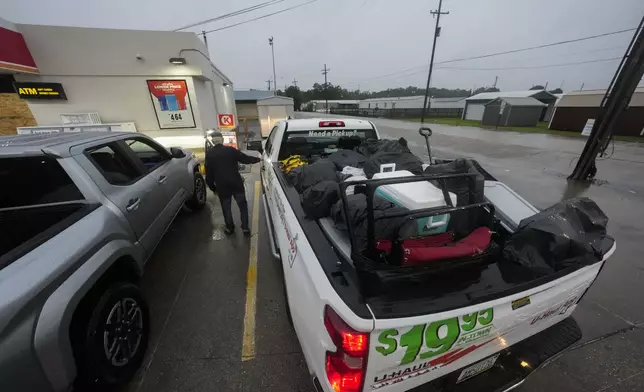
{"x": 177, "y": 152}
{"x": 255, "y": 145}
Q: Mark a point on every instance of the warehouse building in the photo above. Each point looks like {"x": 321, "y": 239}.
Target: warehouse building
{"x": 260, "y": 110}
{"x": 513, "y": 112}
{"x": 160, "y": 83}
{"x": 475, "y": 105}
{"x": 575, "y": 108}
{"x": 319, "y": 105}
{"x": 412, "y": 106}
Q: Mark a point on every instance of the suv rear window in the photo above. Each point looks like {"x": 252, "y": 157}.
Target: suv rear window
{"x": 322, "y": 141}
{"x": 34, "y": 180}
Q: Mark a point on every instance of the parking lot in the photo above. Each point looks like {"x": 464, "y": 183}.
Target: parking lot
{"x": 197, "y": 280}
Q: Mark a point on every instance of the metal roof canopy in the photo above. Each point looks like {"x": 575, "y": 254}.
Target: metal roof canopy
{"x": 537, "y": 94}
{"x": 252, "y": 95}
{"x": 519, "y": 101}
{"x": 593, "y": 98}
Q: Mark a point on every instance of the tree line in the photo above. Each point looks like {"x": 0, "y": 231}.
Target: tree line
{"x": 335, "y": 92}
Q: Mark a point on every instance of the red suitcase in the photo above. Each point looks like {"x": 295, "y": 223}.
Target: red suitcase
{"x": 441, "y": 246}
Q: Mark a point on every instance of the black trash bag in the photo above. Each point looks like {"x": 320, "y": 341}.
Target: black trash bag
{"x": 372, "y": 146}
{"x": 343, "y": 158}
{"x": 381, "y": 151}
{"x": 384, "y": 228}
{"x": 460, "y": 186}
{"x": 318, "y": 199}
{"x": 403, "y": 160}
{"x": 570, "y": 233}
{"x": 309, "y": 175}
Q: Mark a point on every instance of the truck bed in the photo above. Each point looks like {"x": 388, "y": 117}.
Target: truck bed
{"x": 25, "y": 228}
{"x": 468, "y": 287}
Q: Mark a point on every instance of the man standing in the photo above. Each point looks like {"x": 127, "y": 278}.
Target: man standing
{"x": 222, "y": 172}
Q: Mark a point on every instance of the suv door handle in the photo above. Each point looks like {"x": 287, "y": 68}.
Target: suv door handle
{"x": 162, "y": 179}
{"x": 133, "y": 204}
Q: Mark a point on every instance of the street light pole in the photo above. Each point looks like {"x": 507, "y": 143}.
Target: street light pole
{"x": 270, "y": 42}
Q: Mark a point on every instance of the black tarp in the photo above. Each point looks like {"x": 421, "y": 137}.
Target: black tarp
{"x": 342, "y": 158}
{"x": 460, "y": 186}
{"x": 385, "y": 228}
{"x": 318, "y": 199}
{"x": 569, "y": 233}
{"x": 305, "y": 176}
{"x": 389, "y": 151}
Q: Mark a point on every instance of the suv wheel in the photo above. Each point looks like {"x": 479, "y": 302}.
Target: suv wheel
{"x": 114, "y": 337}
{"x": 198, "y": 199}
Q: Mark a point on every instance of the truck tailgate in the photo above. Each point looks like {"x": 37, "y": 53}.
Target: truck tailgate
{"x": 408, "y": 352}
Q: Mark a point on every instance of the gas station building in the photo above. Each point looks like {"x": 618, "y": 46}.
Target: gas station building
{"x": 159, "y": 83}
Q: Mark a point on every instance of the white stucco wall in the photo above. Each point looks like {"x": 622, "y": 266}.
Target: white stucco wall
{"x": 100, "y": 72}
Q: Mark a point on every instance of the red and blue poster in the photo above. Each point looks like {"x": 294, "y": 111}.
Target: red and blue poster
{"x": 171, "y": 102}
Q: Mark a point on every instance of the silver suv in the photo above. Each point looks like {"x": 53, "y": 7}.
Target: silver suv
{"x": 79, "y": 216}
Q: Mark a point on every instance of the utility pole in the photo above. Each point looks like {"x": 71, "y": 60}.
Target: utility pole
{"x": 294, "y": 82}
{"x": 437, "y": 32}
{"x": 325, "y": 71}
{"x": 615, "y": 102}
{"x": 205, "y": 41}
{"x": 561, "y": 85}
{"x": 546, "y": 86}
{"x": 269, "y": 84}
{"x": 582, "y": 86}
{"x": 496, "y": 79}
{"x": 270, "y": 42}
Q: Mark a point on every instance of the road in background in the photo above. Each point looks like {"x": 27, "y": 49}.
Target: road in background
{"x": 196, "y": 280}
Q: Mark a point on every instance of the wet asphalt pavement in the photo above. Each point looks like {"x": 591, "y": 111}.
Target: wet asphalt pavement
{"x": 196, "y": 280}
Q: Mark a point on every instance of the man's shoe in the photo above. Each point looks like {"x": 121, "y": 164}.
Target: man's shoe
{"x": 229, "y": 231}
{"x": 246, "y": 232}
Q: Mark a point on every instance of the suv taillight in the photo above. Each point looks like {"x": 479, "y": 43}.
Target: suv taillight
{"x": 345, "y": 368}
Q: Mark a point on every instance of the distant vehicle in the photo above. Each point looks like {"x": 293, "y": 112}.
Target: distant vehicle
{"x": 438, "y": 333}
{"x": 79, "y": 215}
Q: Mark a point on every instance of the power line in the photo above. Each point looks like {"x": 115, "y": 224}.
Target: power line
{"x": 231, "y": 14}
{"x": 536, "y": 47}
{"x": 532, "y": 66}
{"x": 261, "y": 17}
{"x": 497, "y": 54}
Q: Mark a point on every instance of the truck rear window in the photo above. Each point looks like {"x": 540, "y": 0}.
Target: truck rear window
{"x": 322, "y": 141}
{"x": 34, "y": 180}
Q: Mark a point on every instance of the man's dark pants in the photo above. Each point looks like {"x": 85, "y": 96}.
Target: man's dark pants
{"x": 226, "y": 206}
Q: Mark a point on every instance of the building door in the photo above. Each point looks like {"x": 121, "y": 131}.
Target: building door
{"x": 474, "y": 111}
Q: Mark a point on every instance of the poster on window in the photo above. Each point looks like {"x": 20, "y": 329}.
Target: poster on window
{"x": 171, "y": 102}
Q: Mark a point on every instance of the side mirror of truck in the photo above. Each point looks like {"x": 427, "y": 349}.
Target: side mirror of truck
{"x": 255, "y": 145}
{"x": 177, "y": 152}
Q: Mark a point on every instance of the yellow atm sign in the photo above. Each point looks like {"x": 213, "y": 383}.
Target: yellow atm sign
{"x": 33, "y": 90}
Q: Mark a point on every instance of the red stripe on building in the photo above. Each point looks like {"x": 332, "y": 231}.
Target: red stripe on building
{"x": 13, "y": 49}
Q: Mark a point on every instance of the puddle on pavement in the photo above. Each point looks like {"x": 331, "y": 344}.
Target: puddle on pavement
{"x": 218, "y": 234}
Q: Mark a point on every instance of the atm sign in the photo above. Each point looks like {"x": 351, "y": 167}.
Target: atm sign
{"x": 34, "y": 90}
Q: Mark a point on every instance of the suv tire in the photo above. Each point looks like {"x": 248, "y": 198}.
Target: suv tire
{"x": 198, "y": 199}
{"x": 112, "y": 339}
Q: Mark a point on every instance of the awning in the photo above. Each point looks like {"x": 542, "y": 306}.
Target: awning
{"x": 14, "y": 54}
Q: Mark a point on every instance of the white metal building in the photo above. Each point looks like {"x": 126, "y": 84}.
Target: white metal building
{"x": 475, "y": 105}
{"x": 273, "y": 109}
{"x": 108, "y": 71}
{"x": 413, "y": 102}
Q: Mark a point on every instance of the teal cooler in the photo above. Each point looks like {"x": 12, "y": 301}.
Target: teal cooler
{"x": 416, "y": 196}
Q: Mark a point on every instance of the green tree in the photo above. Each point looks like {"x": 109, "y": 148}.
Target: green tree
{"x": 295, "y": 93}
{"x": 556, "y": 91}
{"x": 485, "y": 90}
{"x": 537, "y": 87}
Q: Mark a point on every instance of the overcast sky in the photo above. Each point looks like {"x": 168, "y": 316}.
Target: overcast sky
{"x": 371, "y": 43}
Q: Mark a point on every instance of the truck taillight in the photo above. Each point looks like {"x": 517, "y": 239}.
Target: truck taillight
{"x": 327, "y": 124}
{"x": 345, "y": 368}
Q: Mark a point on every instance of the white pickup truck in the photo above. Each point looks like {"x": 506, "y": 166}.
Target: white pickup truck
{"x": 469, "y": 331}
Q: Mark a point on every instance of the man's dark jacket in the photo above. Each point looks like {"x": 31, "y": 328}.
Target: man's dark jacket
{"x": 222, "y": 171}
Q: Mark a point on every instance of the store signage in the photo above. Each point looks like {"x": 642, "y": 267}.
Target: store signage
{"x": 226, "y": 121}
{"x": 230, "y": 139}
{"x": 14, "y": 53}
{"x": 588, "y": 128}
{"x": 36, "y": 90}
{"x": 171, "y": 102}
